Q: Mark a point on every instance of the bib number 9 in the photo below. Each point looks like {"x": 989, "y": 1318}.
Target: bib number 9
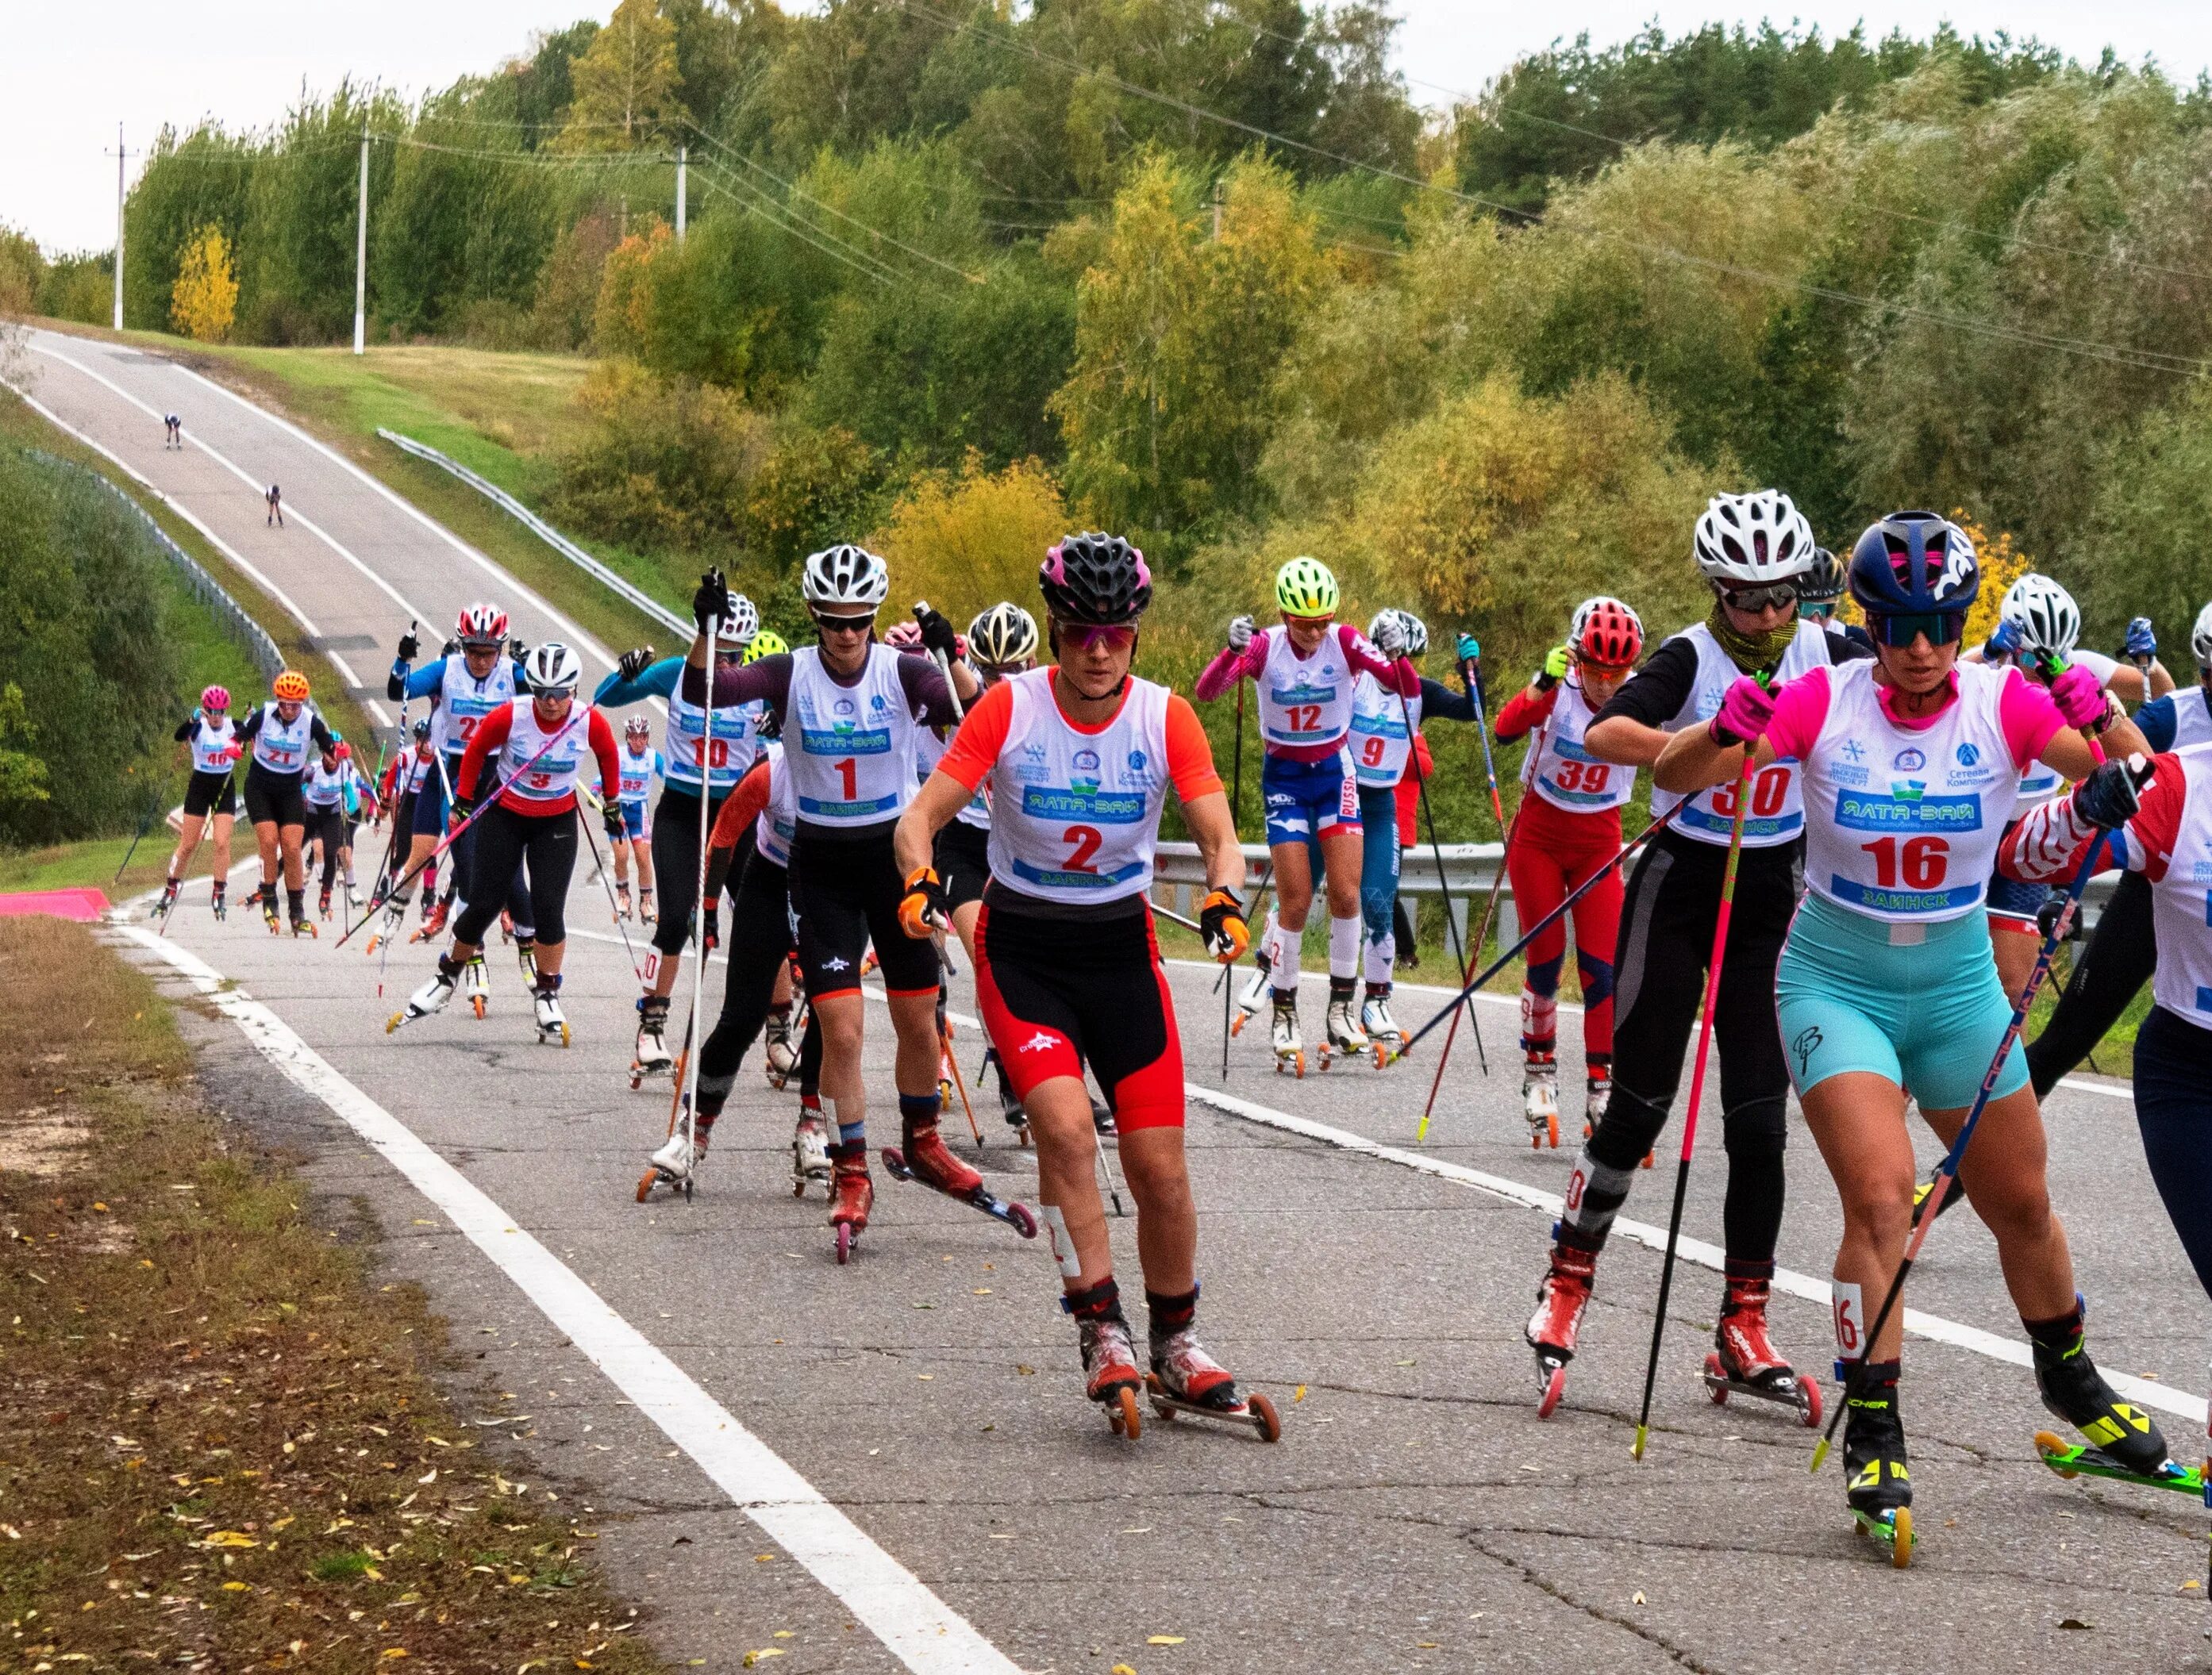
{"x": 1371, "y": 753}
{"x": 1919, "y": 863}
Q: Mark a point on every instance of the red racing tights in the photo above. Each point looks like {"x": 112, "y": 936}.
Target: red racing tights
{"x": 1553, "y": 852}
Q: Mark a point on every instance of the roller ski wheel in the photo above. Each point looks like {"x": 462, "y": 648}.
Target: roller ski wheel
{"x": 1892, "y": 1529}
{"x": 1014, "y": 1213}
{"x": 1122, "y": 1417}
{"x": 1539, "y": 1102}
{"x": 161, "y": 908}
{"x": 2076, "y": 1460}
{"x": 1550, "y": 1384}
{"x": 1800, "y": 1393}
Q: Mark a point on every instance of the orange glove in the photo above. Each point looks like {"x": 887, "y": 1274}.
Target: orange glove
{"x": 1221, "y": 926}
{"x": 922, "y": 911}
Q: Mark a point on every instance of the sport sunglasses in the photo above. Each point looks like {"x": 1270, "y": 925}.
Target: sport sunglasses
{"x": 1091, "y": 636}
{"x": 1761, "y": 598}
{"x": 844, "y": 624}
{"x": 1942, "y": 628}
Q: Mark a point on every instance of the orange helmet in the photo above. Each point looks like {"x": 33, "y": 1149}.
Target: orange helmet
{"x": 290, "y": 688}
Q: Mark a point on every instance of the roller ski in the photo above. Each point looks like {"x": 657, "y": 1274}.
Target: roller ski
{"x": 267, "y": 898}
{"x": 1290, "y": 1047}
{"x": 778, "y": 1056}
{"x": 2074, "y": 1391}
{"x": 1553, "y": 1329}
{"x": 478, "y": 981}
{"x": 2074, "y": 1459}
{"x": 434, "y": 921}
{"x": 852, "y": 1196}
{"x": 1878, "y": 1485}
{"x": 304, "y": 926}
{"x": 1744, "y": 1361}
{"x": 525, "y": 956}
{"x": 432, "y": 997}
{"x": 1540, "y": 1100}
{"x": 1185, "y": 1378}
{"x": 1256, "y": 991}
{"x": 651, "y": 1056}
{"x": 622, "y": 910}
{"x": 1109, "y": 1372}
{"x": 323, "y": 902}
{"x": 218, "y": 905}
{"x": 161, "y": 908}
{"x": 552, "y": 1023}
{"x": 1381, "y": 1027}
{"x": 395, "y": 921}
{"x": 674, "y": 1166}
{"x": 1342, "y": 1037}
{"x": 810, "y": 1155}
{"x": 648, "y": 907}
{"x": 926, "y": 1159}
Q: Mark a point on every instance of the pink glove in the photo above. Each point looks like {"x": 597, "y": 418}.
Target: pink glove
{"x": 2080, "y": 696}
{"x": 1746, "y": 710}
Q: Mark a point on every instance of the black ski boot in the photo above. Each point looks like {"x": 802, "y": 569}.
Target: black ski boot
{"x": 1877, "y": 1483}
{"x": 2073, "y": 1388}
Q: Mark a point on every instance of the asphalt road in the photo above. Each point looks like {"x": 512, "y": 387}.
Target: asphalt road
{"x": 1416, "y": 1514}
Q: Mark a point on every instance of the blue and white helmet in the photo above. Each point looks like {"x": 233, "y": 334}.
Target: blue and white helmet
{"x": 1914, "y": 562}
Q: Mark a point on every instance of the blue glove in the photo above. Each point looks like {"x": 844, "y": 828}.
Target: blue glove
{"x": 2113, "y": 792}
{"x": 2003, "y": 642}
{"x": 1469, "y": 648}
{"x": 2143, "y": 639}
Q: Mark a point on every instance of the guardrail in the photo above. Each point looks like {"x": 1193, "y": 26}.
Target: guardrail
{"x": 236, "y": 621}
{"x": 545, "y": 531}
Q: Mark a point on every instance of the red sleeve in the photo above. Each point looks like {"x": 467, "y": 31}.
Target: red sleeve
{"x": 491, "y": 731}
{"x": 1524, "y": 712}
{"x": 1190, "y": 757}
{"x": 742, "y": 808}
{"x": 601, "y": 734}
{"x": 2155, "y": 830}
{"x": 983, "y": 735}
{"x": 1359, "y": 652}
{"x": 1409, "y": 808}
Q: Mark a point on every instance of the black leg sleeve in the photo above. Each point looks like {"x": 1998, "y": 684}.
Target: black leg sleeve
{"x": 552, "y": 852}
{"x": 760, "y": 939}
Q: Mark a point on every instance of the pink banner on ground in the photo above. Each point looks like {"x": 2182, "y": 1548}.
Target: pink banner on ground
{"x": 81, "y": 904}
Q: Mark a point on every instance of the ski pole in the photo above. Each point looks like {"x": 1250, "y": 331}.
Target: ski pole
{"x": 144, "y": 826}
{"x": 1467, "y": 671}
{"x": 1697, "y": 1083}
{"x": 699, "y": 900}
{"x": 447, "y": 842}
{"x": 1106, "y": 1170}
{"x": 629, "y": 952}
{"x": 943, "y": 668}
{"x": 1235, "y": 813}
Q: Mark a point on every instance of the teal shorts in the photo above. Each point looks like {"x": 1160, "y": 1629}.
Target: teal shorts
{"x": 1927, "y": 1016}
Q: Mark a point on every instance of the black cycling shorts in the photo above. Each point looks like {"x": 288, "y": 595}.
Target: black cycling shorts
{"x": 274, "y": 796}
{"x": 210, "y": 793}
{"x": 964, "y": 861}
{"x": 845, "y": 893}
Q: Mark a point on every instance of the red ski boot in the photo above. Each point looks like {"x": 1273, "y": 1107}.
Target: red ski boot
{"x": 925, "y": 1158}
{"x": 1551, "y": 1329}
{"x": 1110, "y": 1371}
{"x": 1745, "y": 1362}
{"x": 852, "y": 1195}
{"x": 1186, "y": 1380}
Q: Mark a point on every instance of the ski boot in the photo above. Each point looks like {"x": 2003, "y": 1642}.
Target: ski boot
{"x": 161, "y": 909}
{"x": 652, "y": 1056}
{"x": 1596, "y": 1091}
{"x": 1878, "y": 1486}
{"x": 267, "y": 897}
{"x": 302, "y": 925}
{"x": 1256, "y": 991}
{"x": 1289, "y": 1050}
{"x": 380, "y": 890}
{"x": 221, "y": 908}
{"x": 434, "y": 919}
{"x": 621, "y": 903}
{"x": 431, "y": 903}
{"x": 395, "y": 921}
{"x": 431, "y": 997}
{"x": 1553, "y": 1329}
{"x": 1109, "y": 1370}
{"x": 852, "y": 1195}
{"x": 925, "y": 1157}
{"x": 1101, "y": 1121}
{"x": 2073, "y": 1390}
{"x": 648, "y": 907}
{"x": 1380, "y": 1027}
{"x": 778, "y": 1056}
{"x": 525, "y": 955}
{"x": 478, "y": 984}
{"x": 1341, "y": 1034}
{"x": 552, "y": 1027}
{"x": 323, "y": 902}
{"x": 1540, "y": 1099}
{"x": 1744, "y": 1361}
{"x": 810, "y": 1154}
{"x": 1185, "y": 1378}
{"x": 675, "y": 1165}
{"x": 1951, "y": 1193}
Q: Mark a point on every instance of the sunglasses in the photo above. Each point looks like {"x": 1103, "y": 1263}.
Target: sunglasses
{"x": 1942, "y": 628}
{"x": 1752, "y": 599}
{"x": 845, "y": 624}
{"x": 1090, "y": 637}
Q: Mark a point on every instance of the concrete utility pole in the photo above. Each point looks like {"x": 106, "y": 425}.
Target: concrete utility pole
{"x": 119, "y": 227}
{"x": 360, "y": 256}
{"x": 683, "y": 156}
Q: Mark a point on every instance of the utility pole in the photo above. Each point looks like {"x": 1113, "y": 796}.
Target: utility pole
{"x": 360, "y": 256}
{"x": 683, "y": 156}
{"x": 120, "y": 154}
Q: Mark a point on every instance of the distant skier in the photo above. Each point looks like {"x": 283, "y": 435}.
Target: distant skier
{"x": 275, "y": 499}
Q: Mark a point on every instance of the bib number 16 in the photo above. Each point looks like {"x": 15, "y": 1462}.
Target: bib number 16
{"x": 1918, "y": 862}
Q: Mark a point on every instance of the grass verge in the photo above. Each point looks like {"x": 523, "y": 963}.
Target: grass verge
{"x": 220, "y": 1446}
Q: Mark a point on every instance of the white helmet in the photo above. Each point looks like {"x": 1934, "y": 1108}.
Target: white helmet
{"x": 1003, "y": 635}
{"x": 743, "y": 622}
{"x": 845, "y": 576}
{"x": 2200, "y": 638}
{"x": 2048, "y": 621}
{"x": 1753, "y": 539}
{"x": 554, "y": 668}
{"x": 1416, "y": 631}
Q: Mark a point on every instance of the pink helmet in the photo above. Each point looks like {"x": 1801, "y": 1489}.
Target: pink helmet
{"x": 215, "y": 697}
{"x": 344, "y": 751}
{"x": 905, "y": 636}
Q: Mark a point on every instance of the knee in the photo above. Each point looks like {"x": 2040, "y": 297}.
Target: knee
{"x": 1596, "y": 977}
{"x": 2014, "y": 1204}
{"x": 1878, "y": 1206}
{"x": 1543, "y": 978}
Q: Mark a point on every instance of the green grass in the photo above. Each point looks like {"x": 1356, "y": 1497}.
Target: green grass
{"x": 93, "y": 862}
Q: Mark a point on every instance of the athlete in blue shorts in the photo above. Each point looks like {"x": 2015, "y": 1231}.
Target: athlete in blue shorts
{"x": 640, "y": 764}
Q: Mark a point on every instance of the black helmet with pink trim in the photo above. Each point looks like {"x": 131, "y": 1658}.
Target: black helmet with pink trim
{"x": 1095, "y": 580}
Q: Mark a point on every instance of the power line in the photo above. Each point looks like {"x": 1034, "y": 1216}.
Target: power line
{"x": 765, "y": 208}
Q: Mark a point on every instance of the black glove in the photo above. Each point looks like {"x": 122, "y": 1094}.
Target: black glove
{"x": 2113, "y": 791}
{"x": 449, "y": 648}
{"x": 611, "y": 817}
{"x": 632, "y": 663}
{"x": 710, "y": 929}
{"x": 409, "y": 647}
{"x": 457, "y": 811}
{"x": 937, "y": 632}
{"x": 710, "y": 600}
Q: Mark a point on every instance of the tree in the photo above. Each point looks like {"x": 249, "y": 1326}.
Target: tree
{"x": 205, "y": 301}
{"x": 965, "y": 541}
{"x": 625, "y": 84}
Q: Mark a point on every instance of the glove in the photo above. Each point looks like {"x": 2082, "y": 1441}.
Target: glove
{"x": 610, "y": 819}
{"x": 1470, "y": 649}
{"x": 410, "y": 646}
{"x": 2003, "y": 643}
{"x": 936, "y": 634}
{"x": 632, "y": 663}
{"x": 2080, "y": 696}
{"x": 457, "y": 812}
{"x": 2113, "y": 792}
{"x": 1222, "y": 928}
{"x": 1554, "y": 670}
{"x": 1240, "y": 633}
{"x": 1390, "y": 638}
{"x": 517, "y": 650}
{"x": 710, "y": 928}
{"x": 922, "y": 912}
{"x": 2142, "y": 640}
{"x": 1746, "y": 709}
{"x": 232, "y": 754}
{"x": 710, "y": 600}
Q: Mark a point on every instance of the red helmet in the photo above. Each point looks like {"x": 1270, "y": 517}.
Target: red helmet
{"x": 344, "y": 752}
{"x": 1606, "y": 633}
{"x": 482, "y": 625}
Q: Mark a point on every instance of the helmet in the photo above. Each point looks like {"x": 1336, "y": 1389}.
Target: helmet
{"x": 342, "y": 750}
{"x": 736, "y": 630}
{"x": 1004, "y": 635}
{"x": 638, "y": 726}
{"x": 2048, "y": 621}
{"x": 1823, "y": 584}
{"x": 1416, "y": 631}
{"x": 290, "y": 687}
{"x": 2200, "y": 638}
{"x": 1753, "y": 538}
{"x": 1095, "y": 580}
{"x": 421, "y": 728}
{"x": 1914, "y": 561}
{"x": 767, "y": 643}
{"x": 1304, "y": 588}
{"x": 904, "y": 636}
{"x": 215, "y": 697}
{"x": 1605, "y": 631}
{"x": 482, "y": 625}
{"x": 554, "y": 668}
{"x": 845, "y": 576}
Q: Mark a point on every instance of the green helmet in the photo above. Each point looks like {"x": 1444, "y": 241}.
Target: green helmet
{"x": 1304, "y": 588}
{"x": 765, "y": 642}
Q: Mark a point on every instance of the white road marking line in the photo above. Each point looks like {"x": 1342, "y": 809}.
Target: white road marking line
{"x": 924, "y": 1633}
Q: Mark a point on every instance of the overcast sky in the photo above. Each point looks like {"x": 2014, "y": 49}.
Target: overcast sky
{"x": 69, "y": 75}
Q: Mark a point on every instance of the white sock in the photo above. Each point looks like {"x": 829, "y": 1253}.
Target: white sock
{"x": 1283, "y": 956}
{"x": 1344, "y": 934}
{"x": 1380, "y": 957}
